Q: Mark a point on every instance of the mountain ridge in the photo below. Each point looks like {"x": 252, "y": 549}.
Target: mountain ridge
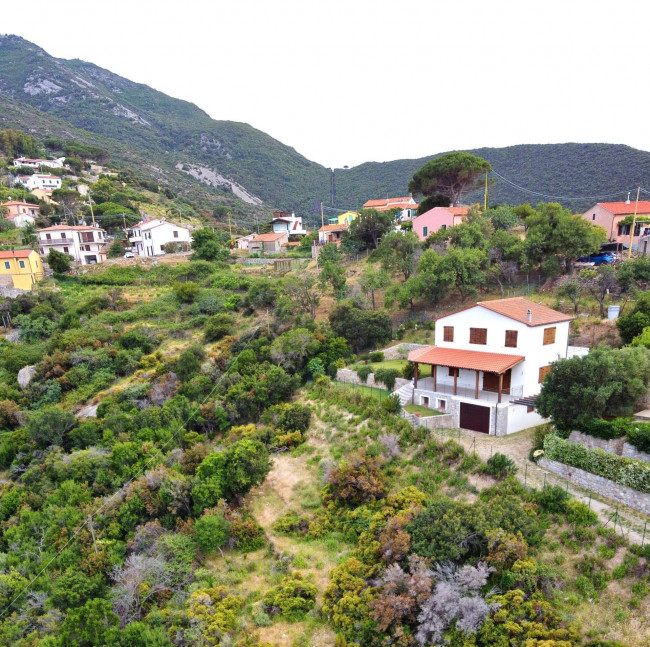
{"x": 180, "y": 144}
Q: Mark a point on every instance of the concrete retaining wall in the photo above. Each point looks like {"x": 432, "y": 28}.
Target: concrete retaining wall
{"x": 614, "y": 446}
{"x": 620, "y": 493}
{"x": 430, "y": 422}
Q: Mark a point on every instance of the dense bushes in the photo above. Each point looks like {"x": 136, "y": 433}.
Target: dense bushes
{"x": 357, "y": 480}
{"x": 624, "y": 471}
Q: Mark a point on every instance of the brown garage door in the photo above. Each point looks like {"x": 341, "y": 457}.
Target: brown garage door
{"x": 475, "y": 417}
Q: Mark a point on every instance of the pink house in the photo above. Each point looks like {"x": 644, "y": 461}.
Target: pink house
{"x": 438, "y": 218}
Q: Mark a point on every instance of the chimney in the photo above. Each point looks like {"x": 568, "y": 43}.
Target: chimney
{"x": 529, "y": 316}
{"x": 628, "y": 198}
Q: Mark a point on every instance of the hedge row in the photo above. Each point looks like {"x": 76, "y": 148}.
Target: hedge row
{"x": 638, "y": 433}
{"x": 624, "y": 471}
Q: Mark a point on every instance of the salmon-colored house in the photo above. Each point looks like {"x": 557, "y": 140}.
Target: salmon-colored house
{"x": 438, "y": 218}
{"x": 609, "y": 215}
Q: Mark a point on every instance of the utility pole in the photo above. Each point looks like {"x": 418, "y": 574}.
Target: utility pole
{"x": 636, "y": 207}
{"x": 322, "y": 216}
{"x": 90, "y": 204}
{"x": 485, "y": 194}
{"x": 257, "y": 225}
{"x": 230, "y": 225}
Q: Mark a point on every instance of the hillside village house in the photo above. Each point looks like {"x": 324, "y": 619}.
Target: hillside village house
{"x": 21, "y": 213}
{"x": 21, "y": 268}
{"x": 343, "y": 219}
{"x": 37, "y": 181}
{"x": 37, "y": 163}
{"x": 488, "y": 363}
{"x": 331, "y": 234}
{"x": 148, "y": 238}
{"x": 243, "y": 241}
{"x": 438, "y": 218}
{"x": 609, "y": 216}
{"x": 283, "y": 222}
{"x": 407, "y": 206}
{"x": 84, "y": 243}
{"x": 268, "y": 243}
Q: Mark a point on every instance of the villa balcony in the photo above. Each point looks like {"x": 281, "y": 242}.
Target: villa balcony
{"x": 466, "y": 391}
{"x": 56, "y": 241}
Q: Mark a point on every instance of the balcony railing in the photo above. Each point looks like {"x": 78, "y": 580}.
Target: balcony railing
{"x": 447, "y": 388}
{"x": 57, "y": 241}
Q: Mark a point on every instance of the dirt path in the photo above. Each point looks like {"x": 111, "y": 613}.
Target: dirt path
{"x": 516, "y": 446}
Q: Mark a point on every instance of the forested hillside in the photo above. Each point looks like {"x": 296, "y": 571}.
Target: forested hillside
{"x": 168, "y": 139}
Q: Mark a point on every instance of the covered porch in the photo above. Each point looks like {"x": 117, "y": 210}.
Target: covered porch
{"x": 492, "y": 373}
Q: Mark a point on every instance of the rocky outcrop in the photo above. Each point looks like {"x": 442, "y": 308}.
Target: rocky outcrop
{"x": 25, "y": 376}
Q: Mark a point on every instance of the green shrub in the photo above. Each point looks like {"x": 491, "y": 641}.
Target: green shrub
{"x": 391, "y": 404}
{"x": 552, "y": 499}
{"x": 500, "y": 466}
{"x": 605, "y": 429}
{"x": 377, "y": 356}
{"x": 212, "y": 532}
{"x": 638, "y": 435}
{"x": 624, "y": 471}
{"x": 187, "y": 291}
{"x": 292, "y": 598}
{"x": 217, "y": 327}
{"x": 387, "y": 377}
{"x": 363, "y": 372}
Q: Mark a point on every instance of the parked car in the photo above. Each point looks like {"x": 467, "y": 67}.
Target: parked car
{"x": 129, "y": 255}
{"x": 600, "y": 258}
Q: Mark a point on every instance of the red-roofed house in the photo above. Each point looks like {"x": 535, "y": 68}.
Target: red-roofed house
{"x": 331, "y": 233}
{"x": 488, "y": 363}
{"x": 84, "y": 243}
{"x": 609, "y": 215}
{"x": 438, "y": 218}
{"x": 268, "y": 243}
{"x": 21, "y": 213}
{"x": 22, "y": 267}
{"x": 407, "y": 206}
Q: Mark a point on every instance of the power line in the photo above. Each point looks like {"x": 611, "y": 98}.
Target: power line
{"x": 556, "y": 197}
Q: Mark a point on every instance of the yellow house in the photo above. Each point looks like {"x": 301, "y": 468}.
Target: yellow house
{"x": 24, "y": 266}
{"x": 344, "y": 219}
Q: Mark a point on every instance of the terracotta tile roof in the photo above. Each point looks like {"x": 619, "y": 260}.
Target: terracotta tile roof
{"x": 342, "y": 227}
{"x": 384, "y": 204}
{"x": 18, "y": 253}
{"x": 517, "y": 309}
{"x": 624, "y": 208}
{"x": 71, "y": 228}
{"x": 473, "y": 360}
{"x": 12, "y": 203}
{"x": 268, "y": 238}
{"x": 458, "y": 211}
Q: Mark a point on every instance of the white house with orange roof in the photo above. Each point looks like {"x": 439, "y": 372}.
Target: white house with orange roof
{"x": 39, "y": 181}
{"x": 610, "y": 215}
{"x": 21, "y": 213}
{"x": 431, "y": 221}
{"x": 331, "y": 233}
{"x": 149, "y": 237}
{"x": 84, "y": 243}
{"x": 488, "y": 364}
{"x": 36, "y": 163}
{"x": 407, "y": 206}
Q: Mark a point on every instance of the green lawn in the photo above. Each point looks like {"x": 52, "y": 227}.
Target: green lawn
{"x": 425, "y": 411}
{"x": 399, "y": 364}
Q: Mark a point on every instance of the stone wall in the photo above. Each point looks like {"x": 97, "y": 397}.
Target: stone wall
{"x": 349, "y": 376}
{"x": 619, "y": 493}
{"x": 614, "y": 446}
{"x": 401, "y": 351}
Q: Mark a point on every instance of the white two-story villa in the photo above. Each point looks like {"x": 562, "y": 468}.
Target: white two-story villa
{"x": 488, "y": 363}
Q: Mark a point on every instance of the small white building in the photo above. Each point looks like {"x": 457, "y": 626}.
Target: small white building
{"x": 285, "y": 223}
{"x": 148, "y": 238}
{"x": 84, "y": 243}
{"x": 244, "y": 241}
{"x": 489, "y": 362}
{"x": 38, "y": 181}
{"x": 37, "y": 163}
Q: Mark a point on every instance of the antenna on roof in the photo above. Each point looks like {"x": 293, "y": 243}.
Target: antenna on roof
{"x": 628, "y": 198}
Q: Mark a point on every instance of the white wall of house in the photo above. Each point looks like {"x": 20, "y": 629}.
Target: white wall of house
{"x": 529, "y": 344}
{"x": 85, "y": 245}
{"x": 46, "y": 182}
{"x": 150, "y": 238}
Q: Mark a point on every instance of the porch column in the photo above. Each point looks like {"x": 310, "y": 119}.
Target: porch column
{"x": 476, "y": 390}
{"x": 434, "y": 374}
{"x": 455, "y": 381}
{"x": 500, "y": 387}
{"x": 415, "y": 376}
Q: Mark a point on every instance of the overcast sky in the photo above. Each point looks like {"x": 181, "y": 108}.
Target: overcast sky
{"x": 349, "y": 81}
